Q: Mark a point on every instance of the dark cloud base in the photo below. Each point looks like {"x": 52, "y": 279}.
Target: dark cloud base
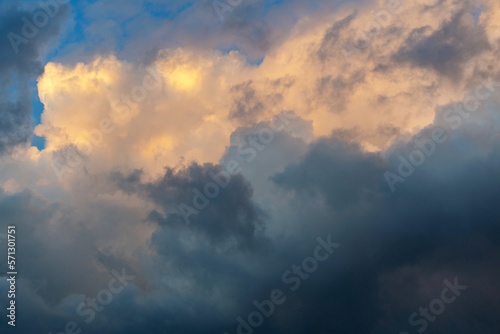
{"x": 397, "y": 248}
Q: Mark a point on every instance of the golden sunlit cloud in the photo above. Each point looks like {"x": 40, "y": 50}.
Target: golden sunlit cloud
{"x": 184, "y": 78}
{"x": 208, "y": 95}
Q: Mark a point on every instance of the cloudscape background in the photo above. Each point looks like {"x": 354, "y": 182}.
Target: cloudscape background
{"x": 205, "y": 147}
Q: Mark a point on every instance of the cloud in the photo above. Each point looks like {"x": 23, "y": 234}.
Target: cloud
{"x": 145, "y": 134}
{"x": 403, "y": 244}
{"x": 208, "y": 94}
{"x": 447, "y": 49}
{"x": 19, "y": 64}
{"x": 331, "y": 39}
{"x": 217, "y": 205}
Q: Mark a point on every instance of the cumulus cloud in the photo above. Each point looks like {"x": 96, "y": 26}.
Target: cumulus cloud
{"x": 208, "y": 94}
{"x": 133, "y": 147}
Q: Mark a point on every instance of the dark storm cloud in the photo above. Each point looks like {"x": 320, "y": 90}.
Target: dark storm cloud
{"x": 397, "y": 248}
{"x": 349, "y": 172}
{"x": 19, "y": 64}
{"x": 231, "y": 216}
{"x": 442, "y": 223}
{"x": 47, "y": 276}
{"x": 447, "y": 49}
{"x": 41, "y": 223}
{"x": 59, "y": 259}
{"x": 15, "y": 123}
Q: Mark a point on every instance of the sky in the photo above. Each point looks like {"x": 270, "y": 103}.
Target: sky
{"x": 250, "y": 166}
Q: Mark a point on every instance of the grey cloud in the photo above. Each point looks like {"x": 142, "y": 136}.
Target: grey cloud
{"x": 17, "y": 70}
{"x": 229, "y": 217}
{"x": 441, "y": 223}
{"x": 396, "y": 248}
{"x": 447, "y": 49}
{"x": 15, "y": 123}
